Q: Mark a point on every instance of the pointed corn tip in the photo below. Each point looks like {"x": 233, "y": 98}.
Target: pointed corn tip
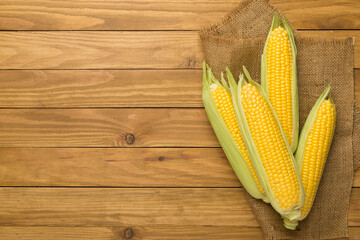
{"x": 329, "y": 94}
{"x": 327, "y": 90}
{"x": 247, "y": 74}
{"x": 241, "y": 76}
{"x": 228, "y": 73}
{"x": 208, "y": 67}
{"x": 275, "y": 21}
{"x": 276, "y": 16}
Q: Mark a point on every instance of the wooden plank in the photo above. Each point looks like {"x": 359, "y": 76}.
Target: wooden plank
{"x": 105, "y": 128}
{"x": 91, "y": 50}
{"x": 144, "y": 233}
{"x": 133, "y": 206}
{"x": 130, "y": 206}
{"x": 113, "y": 50}
{"x": 63, "y": 233}
{"x": 100, "y": 88}
{"x": 136, "y": 233}
{"x": 168, "y": 232}
{"x": 141, "y": 127}
{"x": 106, "y": 88}
{"x": 127, "y": 167}
{"x": 163, "y": 15}
{"x": 356, "y": 180}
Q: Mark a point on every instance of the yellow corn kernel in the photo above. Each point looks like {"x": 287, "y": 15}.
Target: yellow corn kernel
{"x": 271, "y": 148}
{"x": 225, "y": 106}
{"x": 316, "y": 150}
{"x": 279, "y": 65}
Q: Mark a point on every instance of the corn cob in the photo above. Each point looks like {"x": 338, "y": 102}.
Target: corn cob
{"x": 314, "y": 145}
{"x": 269, "y": 151}
{"x": 225, "y": 106}
{"x": 278, "y": 78}
{"x": 220, "y": 111}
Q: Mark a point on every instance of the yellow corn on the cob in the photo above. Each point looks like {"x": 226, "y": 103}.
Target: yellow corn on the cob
{"x": 225, "y": 106}
{"x": 279, "y": 75}
{"x": 279, "y": 78}
{"x": 271, "y": 148}
{"x": 268, "y": 148}
{"x": 314, "y": 145}
{"x": 220, "y": 111}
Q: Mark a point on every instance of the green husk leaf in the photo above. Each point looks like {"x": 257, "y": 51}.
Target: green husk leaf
{"x": 294, "y": 87}
{"x": 224, "y": 83}
{"x": 234, "y": 156}
{"x": 290, "y": 33}
{"x": 257, "y": 162}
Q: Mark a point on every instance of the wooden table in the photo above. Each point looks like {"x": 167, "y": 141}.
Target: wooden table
{"x": 102, "y": 130}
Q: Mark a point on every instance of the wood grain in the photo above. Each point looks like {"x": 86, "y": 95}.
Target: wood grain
{"x": 113, "y": 50}
{"x": 106, "y": 88}
{"x": 140, "y": 127}
{"x": 163, "y": 15}
{"x": 133, "y": 206}
{"x": 105, "y": 128}
{"x": 126, "y": 167}
{"x": 168, "y": 232}
{"x": 91, "y": 50}
{"x": 137, "y": 233}
{"x": 114, "y": 207}
{"x": 100, "y": 88}
{"x": 82, "y": 193}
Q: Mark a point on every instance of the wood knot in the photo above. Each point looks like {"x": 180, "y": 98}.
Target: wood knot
{"x": 128, "y": 233}
{"x": 161, "y": 158}
{"x": 191, "y": 63}
{"x": 129, "y": 138}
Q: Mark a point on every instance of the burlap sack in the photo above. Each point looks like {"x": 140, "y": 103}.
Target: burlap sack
{"x": 239, "y": 40}
{"x": 356, "y": 137}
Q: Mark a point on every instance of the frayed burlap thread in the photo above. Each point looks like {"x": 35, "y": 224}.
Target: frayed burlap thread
{"x": 239, "y": 40}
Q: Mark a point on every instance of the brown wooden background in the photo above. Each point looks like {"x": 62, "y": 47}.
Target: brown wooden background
{"x": 102, "y": 130}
